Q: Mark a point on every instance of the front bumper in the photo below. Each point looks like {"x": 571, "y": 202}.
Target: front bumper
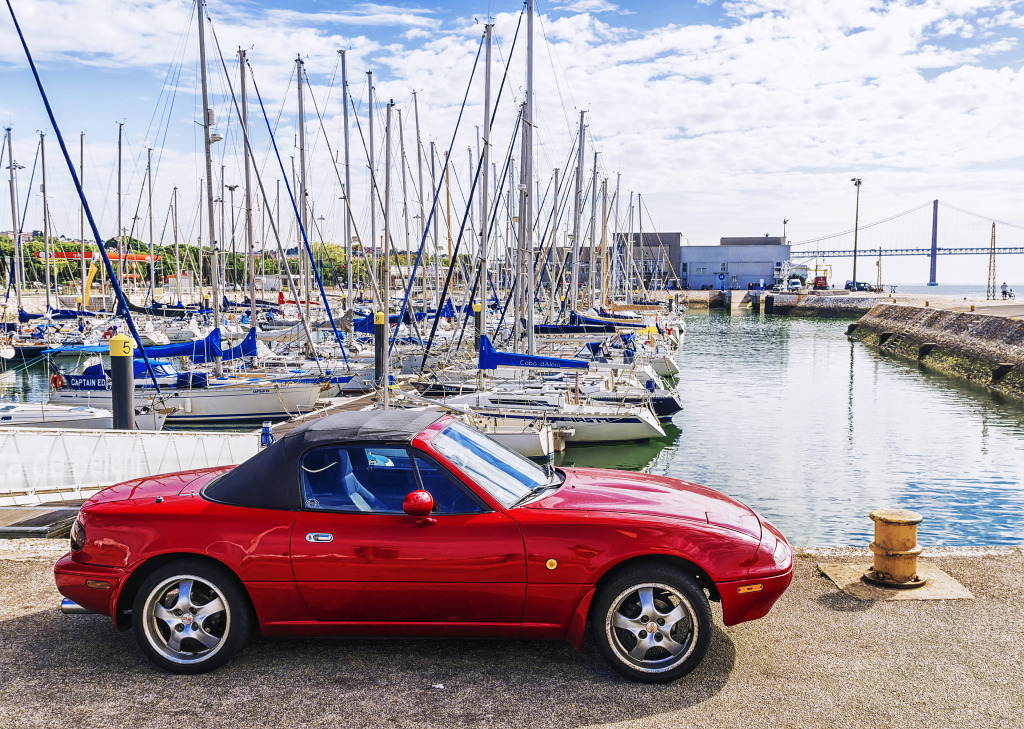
{"x": 742, "y": 600}
{"x": 91, "y": 587}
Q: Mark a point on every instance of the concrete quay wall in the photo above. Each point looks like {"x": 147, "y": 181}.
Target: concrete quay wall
{"x": 984, "y": 350}
{"x": 699, "y": 300}
{"x": 825, "y": 306}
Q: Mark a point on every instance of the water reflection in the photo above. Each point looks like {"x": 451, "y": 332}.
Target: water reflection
{"x": 814, "y": 432}
{"x": 629, "y": 456}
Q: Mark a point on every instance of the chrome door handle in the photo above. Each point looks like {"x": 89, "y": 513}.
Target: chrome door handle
{"x": 319, "y": 537}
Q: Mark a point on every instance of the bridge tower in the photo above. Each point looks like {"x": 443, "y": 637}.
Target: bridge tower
{"x": 990, "y": 292}
{"x": 935, "y": 242}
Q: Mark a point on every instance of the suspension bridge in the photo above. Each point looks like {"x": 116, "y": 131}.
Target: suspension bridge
{"x": 919, "y": 232}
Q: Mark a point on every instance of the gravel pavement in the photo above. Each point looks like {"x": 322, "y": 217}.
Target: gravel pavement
{"x": 819, "y": 659}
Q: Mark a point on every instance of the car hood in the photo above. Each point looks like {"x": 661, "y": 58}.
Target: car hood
{"x": 627, "y": 492}
{"x": 150, "y": 487}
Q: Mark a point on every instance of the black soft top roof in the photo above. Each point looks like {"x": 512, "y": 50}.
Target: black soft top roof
{"x": 270, "y": 479}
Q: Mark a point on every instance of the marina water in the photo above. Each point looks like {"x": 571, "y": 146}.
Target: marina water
{"x": 815, "y": 431}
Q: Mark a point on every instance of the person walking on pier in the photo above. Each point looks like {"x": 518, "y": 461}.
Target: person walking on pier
{"x": 1004, "y": 289}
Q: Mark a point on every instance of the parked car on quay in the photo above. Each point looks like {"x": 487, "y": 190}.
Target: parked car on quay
{"x": 413, "y": 524}
{"x": 861, "y": 286}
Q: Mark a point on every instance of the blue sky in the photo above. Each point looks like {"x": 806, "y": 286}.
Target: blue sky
{"x": 727, "y": 116}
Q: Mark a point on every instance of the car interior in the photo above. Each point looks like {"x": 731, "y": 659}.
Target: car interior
{"x": 375, "y": 479}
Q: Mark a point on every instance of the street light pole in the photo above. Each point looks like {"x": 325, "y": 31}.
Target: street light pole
{"x": 856, "y": 220}
{"x": 784, "y": 221}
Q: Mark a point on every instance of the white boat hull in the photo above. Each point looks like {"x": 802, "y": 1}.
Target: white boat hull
{"x": 589, "y": 429}
{"x": 63, "y": 417}
{"x": 524, "y": 440}
{"x": 208, "y": 406}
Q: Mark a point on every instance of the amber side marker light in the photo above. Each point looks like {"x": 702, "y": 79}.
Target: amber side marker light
{"x": 97, "y": 584}
{"x": 750, "y": 588}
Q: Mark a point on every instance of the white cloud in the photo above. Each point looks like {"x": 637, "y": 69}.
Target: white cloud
{"x": 721, "y": 126}
{"x": 588, "y": 6}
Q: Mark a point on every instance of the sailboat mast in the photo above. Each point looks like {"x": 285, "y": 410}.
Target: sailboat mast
{"x": 618, "y": 227}
{"x": 46, "y": 220}
{"x": 433, "y": 186}
{"x": 419, "y": 172}
{"x": 386, "y": 277}
{"x": 174, "y": 230}
{"x": 373, "y": 184}
{"x": 15, "y": 228}
{"x": 250, "y": 244}
{"x": 629, "y": 255}
{"x": 640, "y": 222}
{"x": 306, "y": 265}
{"x": 528, "y": 182}
{"x": 120, "y": 231}
{"x": 521, "y": 294}
{"x": 221, "y": 200}
{"x": 218, "y": 366}
{"x": 592, "y": 267}
{"x": 551, "y": 263}
{"x": 604, "y": 242}
{"x": 152, "y": 242}
{"x": 81, "y": 209}
{"x": 574, "y": 280}
{"x": 405, "y": 192}
{"x": 485, "y": 153}
{"x": 348, "y": 185}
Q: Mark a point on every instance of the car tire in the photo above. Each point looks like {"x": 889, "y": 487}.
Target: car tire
{"x": 190, "y": 616}
{"x": 652, "y": 623}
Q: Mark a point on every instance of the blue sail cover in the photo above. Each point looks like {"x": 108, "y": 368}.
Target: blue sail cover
{"x": 573, "y": 328}
{"x": 580, "y": 319}
{"x": 490, "y": 359}
{"x": 200, "y": 350}
{"x": 245, "y": 348}
{"x": 24, "y": 317}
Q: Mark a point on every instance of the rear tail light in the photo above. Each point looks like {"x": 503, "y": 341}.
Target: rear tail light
{"x": 77, "y": 535}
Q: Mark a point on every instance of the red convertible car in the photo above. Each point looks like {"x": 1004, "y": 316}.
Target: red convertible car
{"x": 411, "y": 523}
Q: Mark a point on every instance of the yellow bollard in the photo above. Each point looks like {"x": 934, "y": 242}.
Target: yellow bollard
{"x": 896, "y": 549}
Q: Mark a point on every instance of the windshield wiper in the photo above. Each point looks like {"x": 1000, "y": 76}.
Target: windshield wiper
{"x": 532, "y": 492}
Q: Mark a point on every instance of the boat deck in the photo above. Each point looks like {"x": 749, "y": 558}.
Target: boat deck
{"x": 50, "y": 519}
{"x": 338, "y": 405}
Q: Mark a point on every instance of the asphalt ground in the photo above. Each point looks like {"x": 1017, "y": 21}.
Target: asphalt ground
{"x": 820, "y": 659}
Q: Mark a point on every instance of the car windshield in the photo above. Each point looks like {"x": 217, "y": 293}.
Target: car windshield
{"x": 503, "y": 473}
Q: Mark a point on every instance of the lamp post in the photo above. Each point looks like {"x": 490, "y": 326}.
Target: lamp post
{"x": 856, "y": 219}
{"x": 784, "y": 221}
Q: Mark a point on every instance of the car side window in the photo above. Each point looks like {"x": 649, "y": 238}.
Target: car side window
{"x": 449, "y": 497}
{"x": 357, "y": 478}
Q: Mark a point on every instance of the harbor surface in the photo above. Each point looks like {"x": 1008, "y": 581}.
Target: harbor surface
{"x": 821, "y": 658}
{"x": 813, "y": 431}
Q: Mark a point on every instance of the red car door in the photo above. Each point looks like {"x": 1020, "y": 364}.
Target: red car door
{"x": 360, "y": 564}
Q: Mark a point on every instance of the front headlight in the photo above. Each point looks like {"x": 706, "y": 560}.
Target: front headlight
{"x": 77, "y": 535}
{"x": 781, "y": 553}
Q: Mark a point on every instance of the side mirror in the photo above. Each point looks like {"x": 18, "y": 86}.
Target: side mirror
{"x": 419, "y": 503}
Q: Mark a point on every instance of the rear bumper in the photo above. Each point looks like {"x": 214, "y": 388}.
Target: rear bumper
{"x": 71, "y": 578}
{"x": 741, "y": 603}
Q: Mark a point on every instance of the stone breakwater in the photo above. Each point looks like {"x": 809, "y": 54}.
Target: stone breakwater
{"x": 984, "y": 350}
